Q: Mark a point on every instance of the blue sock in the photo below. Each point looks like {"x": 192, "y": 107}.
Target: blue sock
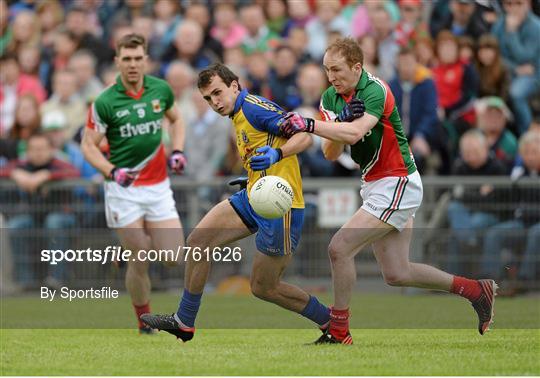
{"x": 316, "y": 311}
{"x": 189, "y": 306}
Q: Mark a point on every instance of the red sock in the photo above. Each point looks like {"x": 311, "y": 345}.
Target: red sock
{"x": 139, "y": 310}
{"x": 465, "y": 287}
{"x": 339, "y": 323}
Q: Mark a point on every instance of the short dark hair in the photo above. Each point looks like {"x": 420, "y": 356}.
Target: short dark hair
{"x": 217, "y": 69}
{"x": 131, "y": 41}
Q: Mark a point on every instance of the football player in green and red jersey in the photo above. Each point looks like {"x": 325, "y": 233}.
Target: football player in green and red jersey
{"x": 139, "y": 202}
{"x": 392, "y": 190}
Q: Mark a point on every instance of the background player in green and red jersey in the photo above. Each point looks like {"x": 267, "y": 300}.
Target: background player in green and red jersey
{"x": 391, "y": 193}
{"x": 139, "y": 202}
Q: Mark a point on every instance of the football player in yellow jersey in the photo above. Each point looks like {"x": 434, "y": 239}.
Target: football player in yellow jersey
{"x": 264, "y": 152}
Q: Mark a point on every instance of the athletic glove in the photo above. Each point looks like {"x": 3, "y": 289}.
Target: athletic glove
{"x": 294, "y": 123}
{"x": 268, "y": 157}
{"x": 123, "y": 176}
{"x": 177, "y": 162}
{"x": 353, "y": 110}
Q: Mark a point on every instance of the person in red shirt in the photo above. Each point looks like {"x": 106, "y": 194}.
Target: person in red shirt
{"x": 456, "y": 81}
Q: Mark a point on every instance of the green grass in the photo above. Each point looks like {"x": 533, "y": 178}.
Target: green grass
{"x": 382, "y": 344}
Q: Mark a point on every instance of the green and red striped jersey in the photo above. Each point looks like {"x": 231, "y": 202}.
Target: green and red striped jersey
{"x": 384, "y": 150}
{"x": 132, "y": 123}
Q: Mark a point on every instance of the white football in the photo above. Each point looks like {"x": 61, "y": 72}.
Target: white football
{"x": 271, "y": 197}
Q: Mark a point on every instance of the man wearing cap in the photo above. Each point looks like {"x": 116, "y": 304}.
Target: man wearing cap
{"x": 492, "y": 116}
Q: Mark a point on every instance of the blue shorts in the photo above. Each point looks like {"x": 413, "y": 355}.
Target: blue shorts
{"x": 275, "y": 237}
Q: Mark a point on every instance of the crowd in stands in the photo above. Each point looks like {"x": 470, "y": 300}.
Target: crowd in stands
{"x": 465, "y": 75}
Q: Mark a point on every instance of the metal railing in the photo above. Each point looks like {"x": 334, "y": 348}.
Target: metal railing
{"x": 86, "y": 227}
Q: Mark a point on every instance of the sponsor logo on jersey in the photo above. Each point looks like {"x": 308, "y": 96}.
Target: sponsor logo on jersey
{"x": 245, "y": 138}
{"x": 139, "y": 105}
{"x": 129, "y": 130}
{"x": 122, "y": 113}
{"x": 156, "y": 106}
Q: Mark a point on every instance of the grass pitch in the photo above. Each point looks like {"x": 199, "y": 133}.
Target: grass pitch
{"x": 512, "y": 348}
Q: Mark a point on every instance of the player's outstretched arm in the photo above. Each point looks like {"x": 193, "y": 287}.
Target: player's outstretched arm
{"x": 90, "y": 149}
{"x": 345, "y": 132}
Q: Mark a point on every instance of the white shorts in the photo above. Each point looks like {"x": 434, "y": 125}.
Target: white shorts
{"x": 125, "y": 205}
{"x": 393, "y": 199}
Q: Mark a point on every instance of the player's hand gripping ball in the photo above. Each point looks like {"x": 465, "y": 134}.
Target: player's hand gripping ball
{"x": 271, "y": 197}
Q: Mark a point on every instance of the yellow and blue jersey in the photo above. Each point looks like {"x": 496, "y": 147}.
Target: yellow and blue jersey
{"x": 256, "y": 121}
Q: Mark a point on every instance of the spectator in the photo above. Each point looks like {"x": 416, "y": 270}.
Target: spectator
{"x": 181, "y": 78}
{"x": 30, "y": 174}
{"x": 298, "y": 41}
{"x": 463, "y": 19}
{"x": 472, "y": 209}
{"x": 466, "y": 46}
{"x": 25, "y": 31}
{"x": 51, "y": 16}
{"x": 283, "y": 79}
{"x": 258, "y": 37}
{"x": 206, "y": 150}
{"x": 234, "y": 57}
{"x": 523, "y": 226}
{"x": 167, "y": 19}
{"x": 518, "y": 33}
{"x": 227, "y": 29}
{"x": 83, "y": 65}
{"x": 131, "y": 9}
{"x": 416, "y": 99}
{"x": 327, "y": 19}
{"x": 77, "y": 23}
{"x": 15, "y": 84}
{"x": 26, "y": 123}
{"x": 65, "y": 99}
{"x": 258, "y": 73}
{"x": 493, "y": 74}
{"x": 311, "y": 83}
{"x": 411, "y": 26}
{"x": 278, "y": 19}
{"x": 299, "y": 13}
{"x": 371, "y": 56}
{"x": 188, "y": 47}
{"x": 54, "y": 127}
{"x": 199, "y": 12}
{"x": 425, "y": 53}
{"x": 383, "y": 31}
{"x": 29, "y": 60}
{"x": 492, "y": 117}
{"x": 65, "y": 45}
{"x": 6, "y": 32}
{"x": 456, "y": 81}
